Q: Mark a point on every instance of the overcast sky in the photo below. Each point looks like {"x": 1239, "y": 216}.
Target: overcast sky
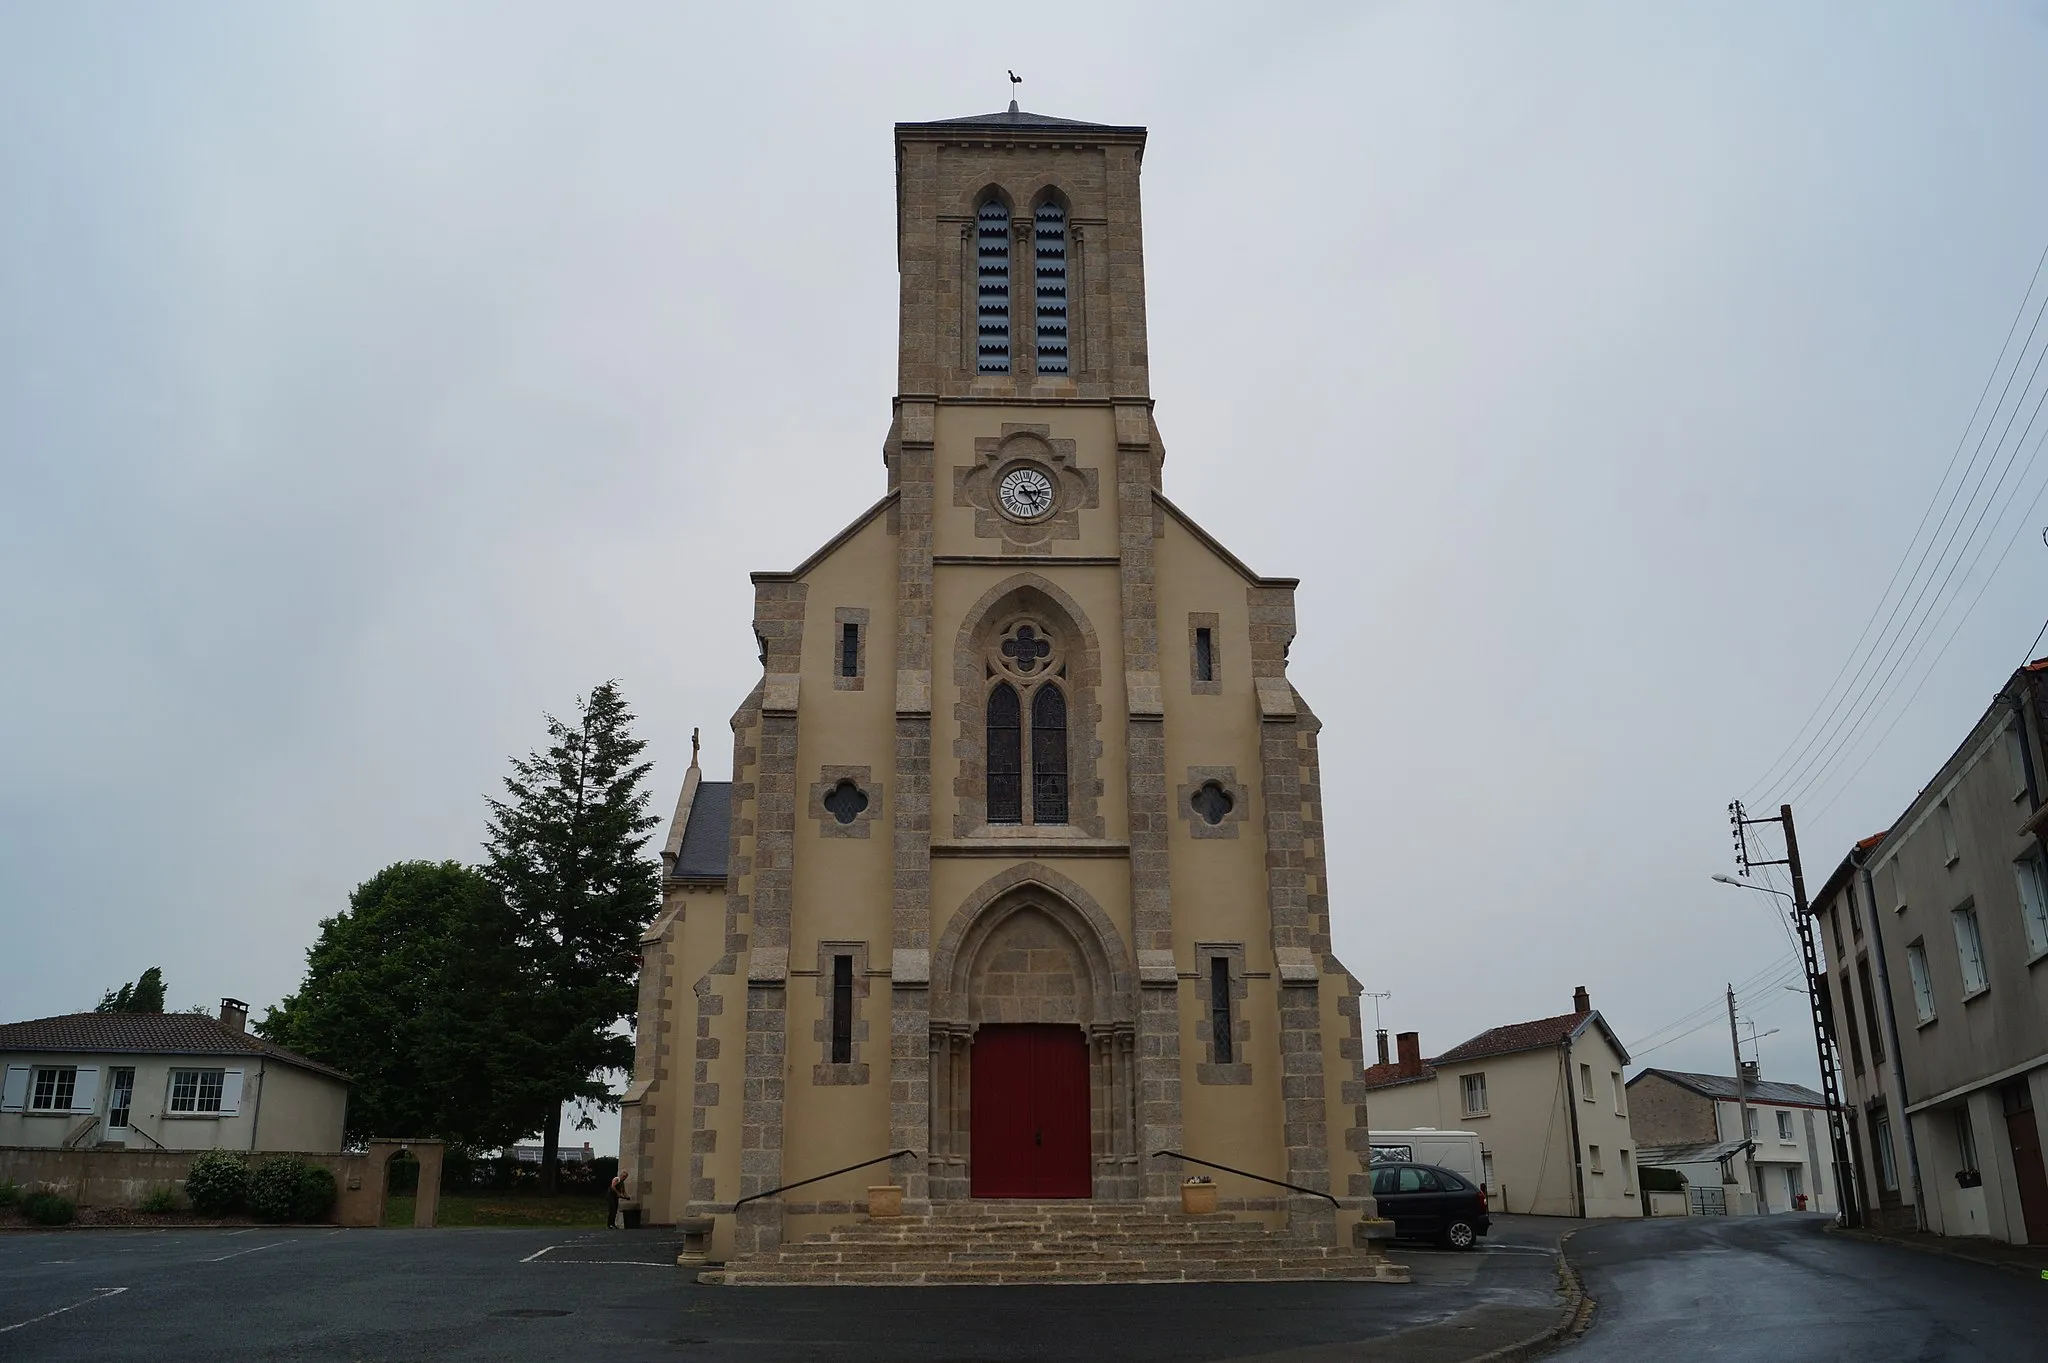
{"x": 374, "y": 378}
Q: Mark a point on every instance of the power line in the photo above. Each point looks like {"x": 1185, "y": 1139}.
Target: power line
{"x": 1923, "y": 623}
{"x": 1772, "y": 773}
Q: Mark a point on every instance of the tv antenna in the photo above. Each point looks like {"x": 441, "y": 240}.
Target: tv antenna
{"x": 1384, "y": 994}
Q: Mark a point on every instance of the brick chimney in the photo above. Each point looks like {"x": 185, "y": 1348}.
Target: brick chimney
{"x": 1382, "y": 1035}
{"x": 1410, "y": 1045}
{"x": 1582, "y": 1002}
{"x": 234, "y": 1014}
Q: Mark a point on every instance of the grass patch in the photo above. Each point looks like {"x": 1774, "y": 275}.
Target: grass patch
{"x": 503, "y": 1209}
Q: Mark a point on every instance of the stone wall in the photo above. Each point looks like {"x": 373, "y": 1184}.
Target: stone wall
{"x": 123, "y": 1178}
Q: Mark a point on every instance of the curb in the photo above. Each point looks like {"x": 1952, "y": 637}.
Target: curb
{"x": 1572, "y": 1322}
{"x": 2030, "y": 1271}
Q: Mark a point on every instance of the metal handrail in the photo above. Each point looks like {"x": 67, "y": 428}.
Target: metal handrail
{"x": 1246, "y": 1173}
{"x": 819, "y": 1178}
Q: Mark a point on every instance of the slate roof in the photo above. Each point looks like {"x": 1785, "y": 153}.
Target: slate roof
{"x": 1657, "y": 1156}
{"x": 1763, "y": 1093}
{"x": 146, "y": 1034}
{"x": 706, "y": 838}
{"x": 1014, "y": 117}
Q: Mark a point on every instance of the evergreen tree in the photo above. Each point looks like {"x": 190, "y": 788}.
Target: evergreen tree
{"x": 145, "y": 995}
{"x": 416, "y": 992}
{"x": 567, "y": 848}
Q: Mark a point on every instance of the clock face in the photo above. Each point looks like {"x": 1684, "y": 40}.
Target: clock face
{"x": 1025, "y": 493}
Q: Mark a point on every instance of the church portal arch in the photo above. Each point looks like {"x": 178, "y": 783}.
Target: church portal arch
{"x": 1030, "y": 951}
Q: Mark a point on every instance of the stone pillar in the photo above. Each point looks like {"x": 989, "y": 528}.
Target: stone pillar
{"x": 1303, "y": 1098}
{"x": 1158, "y": 1003}
{"x": 910, "y": 1066}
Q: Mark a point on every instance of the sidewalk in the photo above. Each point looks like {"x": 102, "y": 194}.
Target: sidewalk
{"x": 2030, "y": 1260}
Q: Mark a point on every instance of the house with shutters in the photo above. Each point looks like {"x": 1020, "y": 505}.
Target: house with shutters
{"x": 1546, "y": 1098}
{"x": 163, "y": 1081}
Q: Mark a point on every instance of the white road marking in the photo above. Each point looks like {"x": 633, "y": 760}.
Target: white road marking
{"x": 99, "y": 1294}
{"x": 249, "y": 1231}
{"x": 253, "y": 1249}
{"x": 644, "y": 1263}
{"x": 537, "y": 1253}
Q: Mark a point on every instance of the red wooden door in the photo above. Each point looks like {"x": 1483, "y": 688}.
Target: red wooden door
{"x": 1030, "y": 1112}
{"x": 2028, "y": 1170}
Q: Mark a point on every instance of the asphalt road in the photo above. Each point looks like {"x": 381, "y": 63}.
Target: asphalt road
{"x": 548, "y": 1295}
{"x": 1775, "y": 1289}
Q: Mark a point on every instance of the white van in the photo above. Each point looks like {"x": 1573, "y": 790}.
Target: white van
{"x": 1458, "y": 1151}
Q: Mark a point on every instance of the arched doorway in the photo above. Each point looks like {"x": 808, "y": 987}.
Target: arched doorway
{"x": 1031, "y": 1046}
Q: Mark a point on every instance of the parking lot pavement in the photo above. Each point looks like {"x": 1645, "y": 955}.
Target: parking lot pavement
{"x": 321, "y": 1294}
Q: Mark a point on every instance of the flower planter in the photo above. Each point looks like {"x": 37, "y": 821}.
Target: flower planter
{"x": 884, "y": 1201}
{"x": 1198, "y": 1199}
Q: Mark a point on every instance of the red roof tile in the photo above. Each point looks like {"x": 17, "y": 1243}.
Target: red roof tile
{"x": 1384, "y": 1076}
{"x": 1516, "y": 1036}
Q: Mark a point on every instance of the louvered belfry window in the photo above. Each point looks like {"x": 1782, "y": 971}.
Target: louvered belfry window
{"x": 1005, "y": 756}
{"x": 1051, "y": 235}
{"x": 992, "y": 258}
{"x": 1049, "y": 755}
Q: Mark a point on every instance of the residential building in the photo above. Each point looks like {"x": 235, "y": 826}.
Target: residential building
{"x": 1855, "y": 969}
{"x": 1021, "y": 868}
{"x": 163, "y": 1081}
{"x": 1955, "y": 899}
{"x": 1694, "y": 1123}
{"x": 1546, "y": 1098}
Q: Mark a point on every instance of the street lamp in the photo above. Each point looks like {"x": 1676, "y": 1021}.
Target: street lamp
{"x": 1745, "y": 885}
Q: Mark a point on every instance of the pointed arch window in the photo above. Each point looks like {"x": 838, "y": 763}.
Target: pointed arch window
{"x": 1049, "y": 755}
{"x": 1050, "y": 234}
{"x": 992, "y": 270}
{"x": 1005, "y": 756}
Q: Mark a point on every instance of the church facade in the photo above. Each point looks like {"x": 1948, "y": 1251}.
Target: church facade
{"x": 1021, "y": 868}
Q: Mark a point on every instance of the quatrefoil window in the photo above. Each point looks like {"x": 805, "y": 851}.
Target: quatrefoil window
{"x": 845, "y": 801}
{"x": 1027, "y": 651}
{"x": 1213, "y": 802}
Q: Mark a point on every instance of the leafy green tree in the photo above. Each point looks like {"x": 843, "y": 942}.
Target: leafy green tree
{"x": 145, "y": 995}
{"x": 568, "y": 849}
{"x": 417, "y": 992}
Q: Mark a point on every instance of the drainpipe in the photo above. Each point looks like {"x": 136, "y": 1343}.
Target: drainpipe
{"x": 1571, "y": 1108}
{"x": 1891, "y": 1027}
{"x": 256, "y": 1113}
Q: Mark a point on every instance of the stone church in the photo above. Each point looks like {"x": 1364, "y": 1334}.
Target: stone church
{"x": 1021, "y": 870}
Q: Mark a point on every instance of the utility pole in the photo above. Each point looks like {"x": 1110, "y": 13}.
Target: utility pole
{"x": 1816, "y": 995}
{"x": 1741, "y": 1095}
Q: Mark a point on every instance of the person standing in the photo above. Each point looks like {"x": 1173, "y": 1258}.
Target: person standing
{"x": 615, "y": 1193}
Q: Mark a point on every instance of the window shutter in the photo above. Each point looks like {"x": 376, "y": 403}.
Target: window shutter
{"x": 230, "y": 1093}
{"x": 992, "y": 268}
{"x": 1050, "y": 232}
{"x": 85, "y": 1089}
{"x": 14, "y": 1090}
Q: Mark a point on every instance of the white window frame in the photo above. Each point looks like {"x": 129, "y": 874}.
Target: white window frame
{"x": 1469, "y": 1086}
{"x": 1620, "y": 1094}
{"x": 1785, "y": 1136}
{"x": 1585, "y": 1081}
{"x": 1887, "y": 1160}
{"x": 2030, "y": 874}
{"x": 1923, "y": 981}
{"x": 1755, "y": 1126}
{"x": 1628, "y": 1173}
{"x": 194, "y": 1104}
{"x": 2015, "y": 754}
{"x": 1945, "y": 819}
{"x": 1898, "y": 889}
{"x": 1593, "y": 1159}
{"x": 63, "y": 1084}
{"x": 1970, "y": 950}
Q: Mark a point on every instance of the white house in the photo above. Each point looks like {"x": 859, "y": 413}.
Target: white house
{"x": 1546, "y": 1099}
{"x": 1693, "y": 1123}
{"x": 165, "y": 1081}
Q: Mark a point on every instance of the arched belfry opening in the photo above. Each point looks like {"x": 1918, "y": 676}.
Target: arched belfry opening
{"x": 1032, "y": 1046}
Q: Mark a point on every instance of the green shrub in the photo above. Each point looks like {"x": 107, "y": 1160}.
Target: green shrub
{"x": 48, "y": 1209}
{"x": 217, "y": 1182}
{"x": 162, "y": 1198}
{"x": 10, "y": 1192}
{"x": 1656, "y": 1180}
{"x": 316, "y": 1194}
{"x": 274, "y": 1188}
